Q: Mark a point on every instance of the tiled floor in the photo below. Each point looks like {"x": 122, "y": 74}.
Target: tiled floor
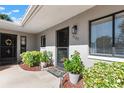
{"x": 15, "y": 77}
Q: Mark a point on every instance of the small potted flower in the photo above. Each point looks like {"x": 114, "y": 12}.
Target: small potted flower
{"x": 74, "y": 66}
{"x": 46, "y": 58}
{"x": 50, "y": 55}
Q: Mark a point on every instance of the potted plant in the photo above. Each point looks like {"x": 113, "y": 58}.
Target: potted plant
{"x": 74, "y": 66}
{"x": 50, "y": 55}
{"x": 44, "y": 59}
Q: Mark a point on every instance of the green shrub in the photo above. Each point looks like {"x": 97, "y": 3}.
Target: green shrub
{"x": 46, "y": 56}
{"x": 50, "y": 55}
{"x": 104, "y": 75}
{"x": 31, "y": 58}
{"x": 74, "y": 65}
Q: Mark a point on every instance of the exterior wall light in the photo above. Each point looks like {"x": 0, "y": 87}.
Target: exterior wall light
{"x": 74, "y": 30}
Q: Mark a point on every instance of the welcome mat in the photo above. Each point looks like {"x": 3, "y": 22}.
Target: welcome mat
{"x": 56, "y": 71}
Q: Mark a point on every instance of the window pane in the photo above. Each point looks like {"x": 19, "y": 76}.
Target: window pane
{"x": 119, "y": 35}
{"x": 101, "y": 37}
{"x": 43, "y": 41}
{"x": 63, "y": 37}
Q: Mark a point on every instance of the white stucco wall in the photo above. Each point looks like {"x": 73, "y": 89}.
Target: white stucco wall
{"x": 30, "y": 40}
{"x": 81, "y": 20}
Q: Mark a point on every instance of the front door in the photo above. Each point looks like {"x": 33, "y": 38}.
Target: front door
{"x": 62, "y": 45}
{"x": 8, "y": 48}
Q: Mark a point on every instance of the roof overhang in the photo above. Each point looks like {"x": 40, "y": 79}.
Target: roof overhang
{"x": 41, "y": 17}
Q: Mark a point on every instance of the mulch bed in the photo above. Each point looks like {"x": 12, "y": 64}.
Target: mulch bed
{"x": 67, "y": 84}
{"x": 26, "y": 67}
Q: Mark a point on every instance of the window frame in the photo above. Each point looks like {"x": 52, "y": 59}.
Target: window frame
{"x": 43, "y": 44}
{"x": 25, "y": 46}
{"x": 113, "y": 34}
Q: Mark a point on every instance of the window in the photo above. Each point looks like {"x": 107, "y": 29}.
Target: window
{"x": 43, "y": 41}
{"x": 119, "y": 35}
{"x": 63, "y": 37}
{"x": 107, "y": 35}
{"x": 101, "y": 36}
{"x": 23, "y": 42}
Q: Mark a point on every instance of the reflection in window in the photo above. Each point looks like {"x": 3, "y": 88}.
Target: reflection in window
{"x": 43, "y": 41}
{"x": 101, "y": 36}
{"x": 107, "y": 35}
{"x": 119, "y": 34}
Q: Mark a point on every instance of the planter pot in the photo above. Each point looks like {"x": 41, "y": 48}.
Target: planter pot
{"x": 43, "y": 64}
{"x": 74, "y": 78}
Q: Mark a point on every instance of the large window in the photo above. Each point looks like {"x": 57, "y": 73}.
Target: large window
{"x": 107, "y": 35}
{"x": 43, "y": 41}
{"x": 101, "y": 36}
{"x": 119, "y": 35}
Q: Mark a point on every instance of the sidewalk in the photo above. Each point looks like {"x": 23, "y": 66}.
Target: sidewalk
{"x": 15, "y": 77}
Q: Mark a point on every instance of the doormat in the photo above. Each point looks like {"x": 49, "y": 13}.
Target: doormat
{"x": 56, "y": 72}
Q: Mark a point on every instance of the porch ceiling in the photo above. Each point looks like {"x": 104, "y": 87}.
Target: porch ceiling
{"x": 44, "y": 17}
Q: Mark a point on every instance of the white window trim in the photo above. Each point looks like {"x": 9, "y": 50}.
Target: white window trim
{"x": 111, "y": 59}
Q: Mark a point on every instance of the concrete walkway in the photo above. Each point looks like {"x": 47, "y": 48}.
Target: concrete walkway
{"x": 14, "y": 77}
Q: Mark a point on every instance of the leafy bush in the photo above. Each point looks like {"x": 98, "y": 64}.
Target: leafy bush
{"x": 104, "y": 75}
{"x": 74, "y": 65}
{"x": 46, "y": 56}
{"x": 50, "y": 55}
{"x": 31, "y": 58}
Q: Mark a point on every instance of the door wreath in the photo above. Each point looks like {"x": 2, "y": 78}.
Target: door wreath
{"x": 8, "y": 42}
